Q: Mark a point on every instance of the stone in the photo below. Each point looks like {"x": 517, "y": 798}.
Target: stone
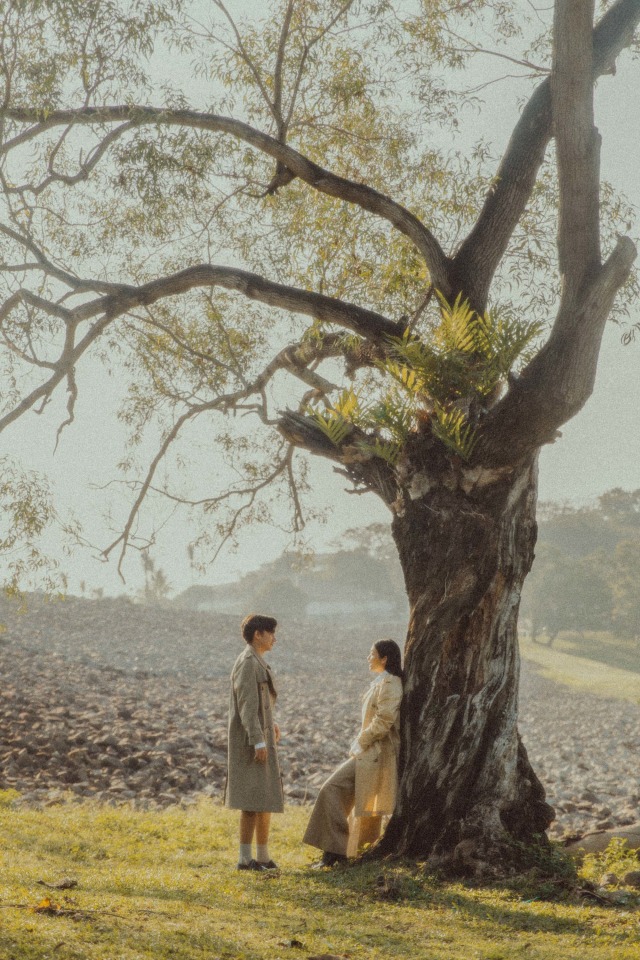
{"x": 632, "y": 879}
{"x": 126, "y": 702}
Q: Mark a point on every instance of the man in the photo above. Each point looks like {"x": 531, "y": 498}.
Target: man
{"x": 254, "y": 784}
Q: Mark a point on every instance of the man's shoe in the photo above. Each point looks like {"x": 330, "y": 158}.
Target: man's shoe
{"x": 269, "y": 865}
{"x": 252, "y": 865}
{"x": 328, "y": 860}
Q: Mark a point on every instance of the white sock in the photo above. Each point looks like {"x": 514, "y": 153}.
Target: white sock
{"x": 262, "y": 853}
{"x": 245, "y": 853}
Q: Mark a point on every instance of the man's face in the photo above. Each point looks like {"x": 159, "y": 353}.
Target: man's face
{"x": 263, "y": 640}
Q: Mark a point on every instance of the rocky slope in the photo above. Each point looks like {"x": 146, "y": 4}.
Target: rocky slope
{"x": 120, "y": 702}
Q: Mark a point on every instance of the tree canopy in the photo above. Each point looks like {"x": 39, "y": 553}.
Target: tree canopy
{"x": 288, "y": 241}
{"x": 289, "y": 231}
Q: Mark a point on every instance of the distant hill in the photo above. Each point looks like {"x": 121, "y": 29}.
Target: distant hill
{"x": 344, "y": 584}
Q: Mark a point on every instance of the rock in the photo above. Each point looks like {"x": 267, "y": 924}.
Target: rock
{"x": 632, "y": 879}
{"x": 126, "y": 702}
{"x": 609, "y": 880}
{"x": 604, "y": 824}
{"x": 597, "y": 842}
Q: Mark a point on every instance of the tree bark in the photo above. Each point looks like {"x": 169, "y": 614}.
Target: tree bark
{"x": 467, "y": 790}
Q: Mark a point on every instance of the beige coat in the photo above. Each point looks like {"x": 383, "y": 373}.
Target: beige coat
{"x": 252, "y": 786}
{"x": 379, "y": 739}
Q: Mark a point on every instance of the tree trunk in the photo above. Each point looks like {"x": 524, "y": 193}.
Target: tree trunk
{"x": 467, "y": 789}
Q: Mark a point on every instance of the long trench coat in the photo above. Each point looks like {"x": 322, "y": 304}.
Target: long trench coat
{"x": 379, "y": 739}
{"x": 251, "y": 786}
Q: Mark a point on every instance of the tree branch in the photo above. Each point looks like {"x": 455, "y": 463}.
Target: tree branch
{"x": 577, "y": 144}
{"x": 317, "y": 177}
{"x": 478, "y": 258}
{"x": 560, "y": 379}
{"x": 84, "y": 168}
{"x": 372, "y": 472}
{"x": 367, "y": 323}
{"x": 46, "y": 265}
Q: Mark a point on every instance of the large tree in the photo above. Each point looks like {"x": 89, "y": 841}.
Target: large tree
{"x": 290, "y": 220}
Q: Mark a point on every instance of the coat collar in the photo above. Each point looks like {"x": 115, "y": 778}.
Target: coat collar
{"x": 265, "y": 666}
{"x": 253, "y": 652}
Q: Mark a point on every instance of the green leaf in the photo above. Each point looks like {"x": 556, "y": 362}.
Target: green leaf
{"x": 454, "y": 430}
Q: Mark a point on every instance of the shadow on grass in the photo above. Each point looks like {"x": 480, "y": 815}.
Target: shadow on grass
{"x": 404, "y": 885}
{"x": 125, "y": 939}
{"x": 621, "y": 656}
{"x": 611, "y": 653}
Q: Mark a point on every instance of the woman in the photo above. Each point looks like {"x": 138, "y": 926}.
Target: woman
{"x": 350, "y": 806}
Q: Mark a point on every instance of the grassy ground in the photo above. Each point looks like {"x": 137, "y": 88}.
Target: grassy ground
{"x": 163, "y": 885}
{"x": 595, "y": 663}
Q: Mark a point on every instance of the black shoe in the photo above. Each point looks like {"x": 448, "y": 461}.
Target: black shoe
{"x": 269, "y": 865}
{"x": 252, "y": 865}
{"x": 328, "y": 860}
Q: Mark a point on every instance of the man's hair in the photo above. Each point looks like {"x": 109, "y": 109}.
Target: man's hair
{"x": 255, "y": 621}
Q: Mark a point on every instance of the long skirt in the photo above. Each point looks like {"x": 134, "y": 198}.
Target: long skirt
{"x": 332, "y": 826}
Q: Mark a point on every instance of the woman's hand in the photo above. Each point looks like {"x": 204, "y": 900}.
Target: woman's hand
{"x": 276, "y": 730}
{"x": 261, "y": 755}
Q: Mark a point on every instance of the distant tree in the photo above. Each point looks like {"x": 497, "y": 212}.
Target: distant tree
{"x": 621, "y": 507}
{"x": 576, "y": 531}
{"x": 375, "y": 539}
{"x": 282, "y": 598}
{"x": 566, "y": 593}
{"x": 626, "y": 589}
{"x": 156, "y": 586}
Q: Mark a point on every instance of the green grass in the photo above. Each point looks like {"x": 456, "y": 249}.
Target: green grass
{"x": 596, "y": 664}
{"x": 164, "y": 885}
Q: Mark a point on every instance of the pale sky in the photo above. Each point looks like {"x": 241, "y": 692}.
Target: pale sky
{"x": 599, "y": 449}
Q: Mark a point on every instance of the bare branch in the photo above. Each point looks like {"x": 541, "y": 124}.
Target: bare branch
{"x": 245, "y": 56}
{"x": 84, "y": 169}
{"x": 471, "y": 47}
{"x": 72, "y": 388}
{"x": 62, "y": 368}
{"x": 46, "y": 265}
{"x": 250, "y": 491}
{"x": 183, "y": 345}
{"x": 308, "y": 47}
{"x": 123, "y": 538}
{"x": 367, "y": 323}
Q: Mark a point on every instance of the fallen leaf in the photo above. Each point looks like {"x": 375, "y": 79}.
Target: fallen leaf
{"x": 48, "y": 906}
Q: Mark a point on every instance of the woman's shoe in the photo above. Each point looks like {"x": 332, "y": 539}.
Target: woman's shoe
{"x": 328, "y": 860}
{"x": 269, "y": 865}
{"x": 252, "y": 865}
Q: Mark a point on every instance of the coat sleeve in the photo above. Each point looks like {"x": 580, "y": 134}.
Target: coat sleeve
{"x": 385, "y": 716}
{"x": 248, "y": 700}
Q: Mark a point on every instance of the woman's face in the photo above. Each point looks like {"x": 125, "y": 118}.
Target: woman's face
{"x": 375, "y": 661}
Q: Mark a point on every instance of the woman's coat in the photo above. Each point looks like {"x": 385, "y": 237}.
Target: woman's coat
{"x": 379, "y": 740}
{"x": 252, "y": 786}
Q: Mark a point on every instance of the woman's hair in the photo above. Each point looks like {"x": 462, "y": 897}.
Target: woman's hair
{"x": 255, "y": 621}
{"x": 390, "y": 650}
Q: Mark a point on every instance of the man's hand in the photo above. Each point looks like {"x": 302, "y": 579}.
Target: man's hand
{"x": 276, "y": 730}
{"x": 261, "y": 755}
